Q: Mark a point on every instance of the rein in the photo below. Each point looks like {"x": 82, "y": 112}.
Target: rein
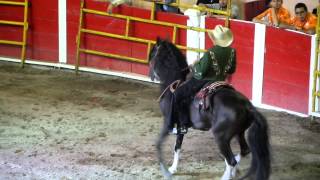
{"x": 184, "y": 69}
{"x": 173, "y": 86}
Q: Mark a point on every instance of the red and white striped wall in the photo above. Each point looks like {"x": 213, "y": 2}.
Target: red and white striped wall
{"x": 273, "y": 65}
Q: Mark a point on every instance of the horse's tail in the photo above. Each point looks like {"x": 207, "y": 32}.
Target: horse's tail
{"x": 259, "y": 146}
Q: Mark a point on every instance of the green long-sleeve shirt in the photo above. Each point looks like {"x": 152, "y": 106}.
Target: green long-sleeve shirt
{"x": 216, "y": 64}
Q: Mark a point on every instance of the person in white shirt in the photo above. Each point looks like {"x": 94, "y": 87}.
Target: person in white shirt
{"x": 222, "y": 5}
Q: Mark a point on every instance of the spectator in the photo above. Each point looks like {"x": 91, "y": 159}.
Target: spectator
{"x": 115, "y": 3}
{"x": 207, "y": 1}
{"x": 159, "y": 7}
{"x": 222, "y": 5}
{"x": 314, "y": 12}
{"x": 276, "y": 15}
{"x": 167, "y": 7}
{"x": 303, "y": 21}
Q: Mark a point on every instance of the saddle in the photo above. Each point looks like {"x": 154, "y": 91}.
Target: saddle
{"x": 210, "y": 89}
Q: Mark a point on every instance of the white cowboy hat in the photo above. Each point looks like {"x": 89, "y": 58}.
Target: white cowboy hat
{"x": 222, "y": 36}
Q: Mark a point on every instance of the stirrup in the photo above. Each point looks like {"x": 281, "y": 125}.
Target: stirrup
{"x": 182, "y": 130}
{"x": 174, "y": 131}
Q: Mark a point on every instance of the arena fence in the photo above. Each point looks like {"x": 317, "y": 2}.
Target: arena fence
{"x": 23, "y": 24}
{"x": 316, "y": 70}
{"x": 151, "y": 20}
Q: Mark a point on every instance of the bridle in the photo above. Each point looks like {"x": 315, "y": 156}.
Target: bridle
{"x": 184, "y": 69}
{"x": 172, "y": 87}
{"x": 152, "y": 62}
{"x": 157, "y": 52}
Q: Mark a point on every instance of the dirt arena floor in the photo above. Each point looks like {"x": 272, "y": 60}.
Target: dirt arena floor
{"x": 56, "y": 125}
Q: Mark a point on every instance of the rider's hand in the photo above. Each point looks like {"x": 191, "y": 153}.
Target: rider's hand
{"x": 109, "y": 10}
{"x": 155, "y": 0}
{"x": 201, "y": 5}
{"x": 228, "y": 79}
{"x": 195, "y": 62}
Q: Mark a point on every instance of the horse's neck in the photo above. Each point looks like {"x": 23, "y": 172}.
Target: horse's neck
{"x": 168, "y": 82}
{"x": 165, "y": 84}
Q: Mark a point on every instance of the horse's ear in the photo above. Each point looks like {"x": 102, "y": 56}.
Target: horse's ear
{"x": 168, "y": 39}
{"x": 158, "y": 40}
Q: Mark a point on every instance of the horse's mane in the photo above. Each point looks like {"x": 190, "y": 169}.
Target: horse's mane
{"x": 170, "y": 52}
{"x": 170, "y": 62}
{"x": 176, "y": 53}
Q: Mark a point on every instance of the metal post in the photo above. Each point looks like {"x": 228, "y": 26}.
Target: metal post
{"x": 316, "y": 65}
{"x": 25, "y": 30}
{"x": 153, "y": 7}
{"x": 148, "y": 50}
{"x": 127, "y": 26}
{"x": 174, "y": 35}
{"x": 79, "y": 37}
{"x": 227, "y": 21}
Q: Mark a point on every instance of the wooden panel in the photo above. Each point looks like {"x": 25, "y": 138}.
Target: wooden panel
{"x": 42, "y": 42}
{"x": 286, "y": 74}
{"x": 117, "y": 26}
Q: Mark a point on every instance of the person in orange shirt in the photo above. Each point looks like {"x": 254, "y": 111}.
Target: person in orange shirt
{"x": 303, "y": 21}
{"x": 276, "y": 15}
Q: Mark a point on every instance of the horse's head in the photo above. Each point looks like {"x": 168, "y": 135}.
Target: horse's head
{"x": 166, "y": 61}
{"x": 153, "y": 56}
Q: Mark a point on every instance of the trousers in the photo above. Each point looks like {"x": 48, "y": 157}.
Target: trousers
{"x": 182, "y": 98}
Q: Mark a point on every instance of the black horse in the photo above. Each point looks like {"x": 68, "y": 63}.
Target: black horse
{"x": 229, "y": 115}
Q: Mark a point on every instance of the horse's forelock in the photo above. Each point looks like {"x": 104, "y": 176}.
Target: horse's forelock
{"x": 167, "y": 56}
{"x": 152, "y": 52}
{"x": 175, "y": 54}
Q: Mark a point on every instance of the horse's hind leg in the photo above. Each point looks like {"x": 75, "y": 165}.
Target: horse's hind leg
{"x": 177, "y": 149}
{"x": 231, "y": 161}
{"x": 244, "y": 148}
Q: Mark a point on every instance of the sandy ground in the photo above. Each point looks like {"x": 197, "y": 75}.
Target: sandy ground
{"x": 56, "y": 125}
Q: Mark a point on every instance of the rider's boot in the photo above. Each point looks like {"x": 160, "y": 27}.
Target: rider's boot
{"x": 182, "y": 127}
{"x": 182, "y": 130}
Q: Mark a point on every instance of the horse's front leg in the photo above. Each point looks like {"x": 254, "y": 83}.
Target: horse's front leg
{"x": 162, "y": 137}
{"x": 177, "y": 149}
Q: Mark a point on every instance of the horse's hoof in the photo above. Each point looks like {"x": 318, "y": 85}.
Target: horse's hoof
{"x": 172, "y": 170}
{"x": 238, "y": 158}
{"x": 165, "y": 172}
{"x": 245, "y": 152}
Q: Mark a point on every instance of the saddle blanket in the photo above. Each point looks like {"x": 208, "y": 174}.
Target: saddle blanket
{"x": 210, "y": 89}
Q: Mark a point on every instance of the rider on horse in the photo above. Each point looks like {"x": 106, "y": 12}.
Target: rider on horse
{"x": 215, "y": 65}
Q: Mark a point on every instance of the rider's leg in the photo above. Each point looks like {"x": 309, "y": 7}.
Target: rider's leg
{"x": 179, "y": 111}
{"x": 182, "y": 99}
{"x": 182, "y": 94}
{"x": 172, "y": 122}
{"x": 170, "y": 115}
